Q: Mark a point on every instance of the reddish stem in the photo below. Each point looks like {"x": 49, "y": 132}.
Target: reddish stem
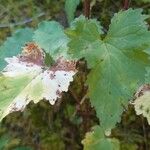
{"x": 87, "y": 8}
{"x": 126, "y": 4}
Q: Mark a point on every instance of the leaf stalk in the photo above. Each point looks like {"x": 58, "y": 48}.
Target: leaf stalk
{"x": 87, "y": 8}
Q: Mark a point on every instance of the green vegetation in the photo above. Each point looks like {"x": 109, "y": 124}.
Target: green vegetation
{"x": 112, "y": 54}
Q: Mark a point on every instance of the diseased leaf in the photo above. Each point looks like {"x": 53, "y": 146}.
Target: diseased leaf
{"x": 26, "y": 79}
{"x": 117, "y": 61}
{"x": 142, "y": 105}
{"x": 70, "y": 8}
{"x": 142, "y": 101}
{"x": 51, "y": 38}
{"x": 96, "y": 140}
{"x": 12, "y": 45}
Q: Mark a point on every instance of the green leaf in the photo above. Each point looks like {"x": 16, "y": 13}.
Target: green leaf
{"x": 84, "y": 34}
{"x": 96, "y": 140}
{"x": 51, "y": 38}
{"x": 70, "y": 8}
{"x": 12, "y": 45}
{"x": 142, "y": 99}
{"x": 117, "y": 61}
{"x": 26, "y": 79}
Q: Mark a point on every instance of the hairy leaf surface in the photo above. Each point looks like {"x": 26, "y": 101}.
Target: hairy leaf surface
{"x": 26, "y": 79}
{"x": 96, "y": 140}
{"x": 117, "y": 61}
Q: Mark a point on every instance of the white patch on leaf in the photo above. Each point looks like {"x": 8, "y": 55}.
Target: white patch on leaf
{"x": 142, "y": 102}
{"x": 44, "y": 83}
{"x": 16, "y": 67}
{"x": 53, "y": 87}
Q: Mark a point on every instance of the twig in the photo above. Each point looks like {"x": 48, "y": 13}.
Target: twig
{"x": 83, "y": 99}
{"x": 21, "y": 22}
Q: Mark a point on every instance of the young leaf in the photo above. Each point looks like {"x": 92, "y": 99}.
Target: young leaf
{"x": 51, "y": 38}
{"x": 25, "y": 78}
{"x": 12, "y": 45}
{"x": 96, "y": 140}
{"x": 70, "y": 8}
{"x": 117, "y": 61}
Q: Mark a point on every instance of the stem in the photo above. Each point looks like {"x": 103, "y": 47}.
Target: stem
{"x": 126, "y": 4}
{"x": 87, "y": 8}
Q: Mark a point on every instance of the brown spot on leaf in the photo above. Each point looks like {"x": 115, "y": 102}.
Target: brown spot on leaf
{"x": 13, "y": 108}
{"x": 144, "y": 88}
{"x": 64, "y": 65}
{"x": 52, "y": 76}
{"x": 32, "y": 53}
{"x": 58, "y": 93}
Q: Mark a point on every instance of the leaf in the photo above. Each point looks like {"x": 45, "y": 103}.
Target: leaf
{"x": 142, "y": 105}
{"x": 142, "y": 100}
{"x": 25, "y": 78}
{"x": 51, "y": 38}
{"x": 96, "y": 140}
{"x": 70, "y": 8}
{"x": 83, "y": 35}
{"x": 117, "y": 61}
{"x": 12, "y": 45}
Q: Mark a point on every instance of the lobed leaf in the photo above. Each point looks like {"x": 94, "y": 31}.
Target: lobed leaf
{"x": 117, "y": 61}
{"x": 26, "y": 79}
{"x": 96, "y": 140}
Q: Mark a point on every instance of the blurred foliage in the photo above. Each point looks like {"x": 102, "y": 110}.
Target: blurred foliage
{"x": 63, "y": 126}
{"x": 27, "y": 13}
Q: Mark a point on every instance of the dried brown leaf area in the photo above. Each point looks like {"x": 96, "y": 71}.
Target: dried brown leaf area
{"x": 32, "y": 53}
